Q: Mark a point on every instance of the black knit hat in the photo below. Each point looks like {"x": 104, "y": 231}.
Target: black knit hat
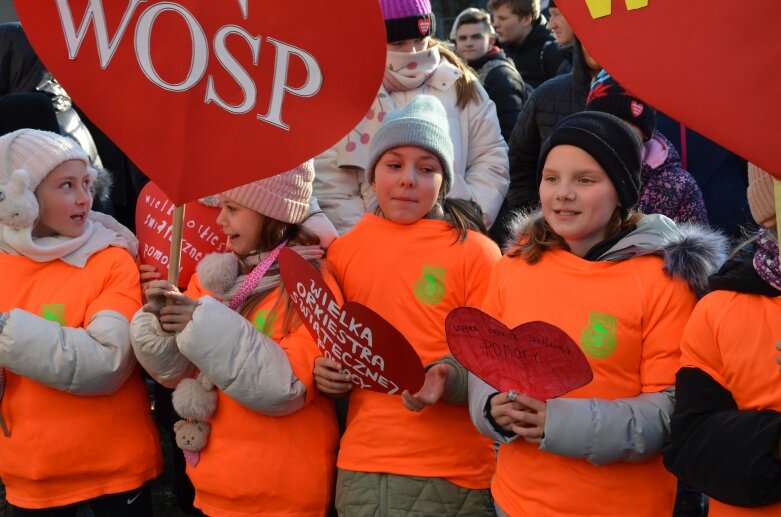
{"x": 609, "y": 96}
{"x": 612, "y": 143}
{"x": 27, "y": 110}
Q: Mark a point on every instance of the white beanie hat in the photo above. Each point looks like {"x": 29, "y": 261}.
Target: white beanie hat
{"x": 27, "y": 156}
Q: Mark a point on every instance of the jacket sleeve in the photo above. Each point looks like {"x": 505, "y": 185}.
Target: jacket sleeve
{"x": 245, "y": 364}
{"x": 731, "y": 455}
{"x": 480, "y": 394}
{"x": 486, "y": 174}
{"x": 157, "y": 352}
{"x": 95, "y": 360}
{"x": 342, "y": 192}
{"x": 605, "y": 431}
{"x": 525, "y": 145}
{"x": 505, "y": 87}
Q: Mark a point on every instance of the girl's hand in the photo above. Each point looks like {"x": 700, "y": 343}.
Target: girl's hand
{"x": 147, "y": 273}
{"x": 329, "y": 379}
{"x": 175, "y": 316}
{"x": 529, "y": 421}
{"x": 155, "y": 295}
{"x": 432, "y": 390}
{"x": 503, "y": 407}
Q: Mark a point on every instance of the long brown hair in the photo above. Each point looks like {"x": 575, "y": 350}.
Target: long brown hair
{"x": 272, "y": 232}
{"x": 538, "y": 236}
{"x": 466, "y": 85}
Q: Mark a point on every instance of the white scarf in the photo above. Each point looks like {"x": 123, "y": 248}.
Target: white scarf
{"x": 75, "y": 251}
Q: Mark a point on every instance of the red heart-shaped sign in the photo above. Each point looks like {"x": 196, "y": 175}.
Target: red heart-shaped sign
{"x": 535, "y": 358}
{"x": 371, "y": 350}
{"x": 206, "y": 96}
{"x": 201, "y": 235}
{"x": 707, "y": 67}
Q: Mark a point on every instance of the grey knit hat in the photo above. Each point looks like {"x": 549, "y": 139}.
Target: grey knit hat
{"x": 27, "y": 156}
{"x": 421, "y": 123}
{"x": 284, "y": 197}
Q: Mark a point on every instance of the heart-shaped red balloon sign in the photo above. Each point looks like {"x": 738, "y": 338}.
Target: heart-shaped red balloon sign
{"x": 201, "y": 234}
{"x": 371, "y": 350}
{"x": 712, "y": 68}
{"x": 208, "y": 95}
{"x": 535, "y": 358}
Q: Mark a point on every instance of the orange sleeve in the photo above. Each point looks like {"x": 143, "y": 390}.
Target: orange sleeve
{"x": 670, "y": 304}
{"x": 194, "y": 288}
{"x": 699, "y": 346}
{"x": 118, "y": 285}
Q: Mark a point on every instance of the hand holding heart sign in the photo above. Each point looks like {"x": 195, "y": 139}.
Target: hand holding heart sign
{"x": 535, "y": 358}
{"x": 375, "y": 355}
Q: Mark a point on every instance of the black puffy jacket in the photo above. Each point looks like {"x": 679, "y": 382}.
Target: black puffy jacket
{"x": 538, "y": 57}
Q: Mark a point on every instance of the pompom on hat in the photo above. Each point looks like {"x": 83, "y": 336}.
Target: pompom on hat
{"x": 610, "y": 141}
{"x": 284, "y": 197}
{"x": 760, "y": 193}
{"x": 609, "y": 96}
{"x": 407, "y": 19}
{"x": 421, "y": 123}
{"x": 29, "y": 155}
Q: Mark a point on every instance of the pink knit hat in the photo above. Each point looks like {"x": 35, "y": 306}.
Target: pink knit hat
{"x": 407, "y": 19}
{"x": 761, "y": 198}
{"x": 284, "y": 197}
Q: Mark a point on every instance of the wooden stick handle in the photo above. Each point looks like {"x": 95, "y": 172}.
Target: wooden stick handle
{"x": 176, "y": 246}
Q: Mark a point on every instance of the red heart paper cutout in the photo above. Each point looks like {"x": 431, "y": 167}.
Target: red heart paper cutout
{"x": 201, "y": 235}
{"x": 535, "y": 358}
{"x": 207, "y": 96}
{"x": 378, "y": 356}
{"x": 706, "y": 67}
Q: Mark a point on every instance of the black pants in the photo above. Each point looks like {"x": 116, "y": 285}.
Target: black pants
{"x": 133, "y": 503}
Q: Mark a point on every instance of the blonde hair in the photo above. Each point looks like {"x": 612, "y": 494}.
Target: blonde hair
{"x": 466, "y": 85}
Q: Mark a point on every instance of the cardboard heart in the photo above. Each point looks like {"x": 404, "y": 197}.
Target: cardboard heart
{"x": 378, "y": 356}
{"x": 706, "y": 67}
{"x": 201, "y": 234}
{"x": 535, "y": 358}
{"x": 206, "y": 96}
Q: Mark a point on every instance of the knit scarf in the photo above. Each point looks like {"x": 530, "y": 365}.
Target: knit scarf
{"x": 766, "y": 261}
{"x": 403, "y": 72}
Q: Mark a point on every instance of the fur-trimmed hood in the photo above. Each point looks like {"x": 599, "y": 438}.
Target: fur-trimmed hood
{"x": 691, "y": 252}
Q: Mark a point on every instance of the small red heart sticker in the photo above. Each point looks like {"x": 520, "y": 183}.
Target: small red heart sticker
{"x": 636, "y": 108}
{"x": 376, "y": 355}
{"x": 535, "y": 358}
{"x": 205, "y": 96}
{"x": 424, "y": 24}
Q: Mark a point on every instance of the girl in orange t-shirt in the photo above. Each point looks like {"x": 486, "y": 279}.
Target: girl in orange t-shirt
{"x": 74, "y": 412}
{"x": 590, "y": 266}
{"x": 412, "y": 261}
{"x": 258, "y": 438}
{"x": 726, "y": 428}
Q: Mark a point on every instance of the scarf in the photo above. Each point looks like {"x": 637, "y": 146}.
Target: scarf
{"x": 100, "y": 232}
{"x": 766, "y": 261}
{"x": 403, "y": 72}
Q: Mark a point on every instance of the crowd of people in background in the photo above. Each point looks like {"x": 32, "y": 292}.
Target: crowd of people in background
{"x": 502, "y": 169}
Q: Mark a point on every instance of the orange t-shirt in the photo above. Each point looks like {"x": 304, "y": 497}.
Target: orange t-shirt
{"x": 254, "y": 464}
{"x": 721, "y": 341}
{"x": 627, "y": 317}
{"x": 66, "y": 448}
{"x": 413, "y": 276}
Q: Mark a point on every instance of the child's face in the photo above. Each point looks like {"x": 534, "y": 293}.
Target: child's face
{"x": 577, "y": 197}
{"x": 65, "y": 199}
{"x": 406, "y": 182}
{"x": 409, "y": 46}
{"x": 241, "y": 225}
